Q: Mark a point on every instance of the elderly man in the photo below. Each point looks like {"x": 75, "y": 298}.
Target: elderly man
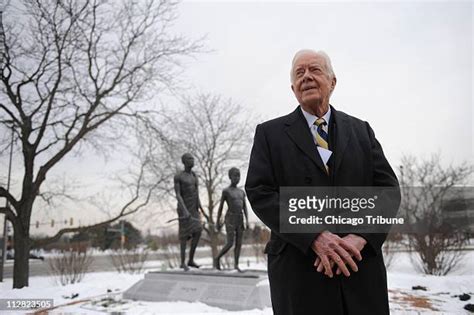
{"x": 316, "y": 145}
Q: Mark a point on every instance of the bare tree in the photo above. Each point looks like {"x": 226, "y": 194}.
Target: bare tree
{"x": 70, "y": 72}
{"x": 70, "y": 266}
{"x": 218, "y": 133}
{"x": 426, "y": 186}
{"x": 129, "y": 261}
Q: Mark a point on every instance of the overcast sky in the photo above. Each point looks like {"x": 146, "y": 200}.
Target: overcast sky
{"x": 405, "y": 67}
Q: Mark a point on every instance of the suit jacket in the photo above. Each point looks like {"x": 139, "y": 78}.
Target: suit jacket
{"x": 284, "y": 154}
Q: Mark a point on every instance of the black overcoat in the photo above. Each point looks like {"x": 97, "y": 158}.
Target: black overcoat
{"x": 284, "y": 154}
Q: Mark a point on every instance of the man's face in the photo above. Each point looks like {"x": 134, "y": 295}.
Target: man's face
{"x": 234, "y": 177}
{"x": 311, "y": 82}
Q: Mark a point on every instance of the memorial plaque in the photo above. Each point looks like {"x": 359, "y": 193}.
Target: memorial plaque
{"x": 231, "y": 294}
{"x": 231, "y": 291}
{"x": 187, "y": 291}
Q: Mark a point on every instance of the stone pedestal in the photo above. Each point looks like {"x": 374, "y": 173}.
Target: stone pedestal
{"x": 227, "y": 290}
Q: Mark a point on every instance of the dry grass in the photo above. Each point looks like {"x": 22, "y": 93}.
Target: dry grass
{"x": 417, "y": 302}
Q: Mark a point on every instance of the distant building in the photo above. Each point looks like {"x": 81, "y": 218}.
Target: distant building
{"x": 459, "y": 210}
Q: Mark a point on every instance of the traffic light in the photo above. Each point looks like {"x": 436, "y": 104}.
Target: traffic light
{"x": 37, "y": 224}
{"x": 52, "y": 223}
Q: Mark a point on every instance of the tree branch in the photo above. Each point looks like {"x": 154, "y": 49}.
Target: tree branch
{"x": 9, "y": 214}
{"x": 4, "y": 193}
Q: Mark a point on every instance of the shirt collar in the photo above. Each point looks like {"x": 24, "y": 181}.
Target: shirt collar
{"x": 310, "y": 118}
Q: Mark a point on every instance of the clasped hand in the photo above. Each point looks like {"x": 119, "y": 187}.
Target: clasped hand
{"x": 331, "y": 249}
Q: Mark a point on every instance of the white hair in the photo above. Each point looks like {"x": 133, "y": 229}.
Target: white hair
{"x": 321, "y": 53}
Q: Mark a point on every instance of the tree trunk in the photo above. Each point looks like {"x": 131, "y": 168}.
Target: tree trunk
{"x": 21, "y": 267}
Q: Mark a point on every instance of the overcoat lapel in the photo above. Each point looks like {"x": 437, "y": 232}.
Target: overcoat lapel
{"x": 342, "y": 136}
{"x": 299, "y": 133}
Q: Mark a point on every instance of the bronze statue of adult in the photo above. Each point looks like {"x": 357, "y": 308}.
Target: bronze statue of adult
{"x": 234, "y": 218}
{"x": 187, "y": 194}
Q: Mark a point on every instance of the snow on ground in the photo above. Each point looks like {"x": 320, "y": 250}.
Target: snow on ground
{"x": 439, "y": 296}
{"x": 101, "y": 292}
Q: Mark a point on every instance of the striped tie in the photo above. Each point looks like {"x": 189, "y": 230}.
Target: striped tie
{"x": 322, "y": 136}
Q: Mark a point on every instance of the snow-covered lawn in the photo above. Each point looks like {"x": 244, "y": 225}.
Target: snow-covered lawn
{"x": 101, "y": 292}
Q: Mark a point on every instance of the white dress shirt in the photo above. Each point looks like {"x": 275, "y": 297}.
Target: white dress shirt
{"x": 310, "y": 118}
